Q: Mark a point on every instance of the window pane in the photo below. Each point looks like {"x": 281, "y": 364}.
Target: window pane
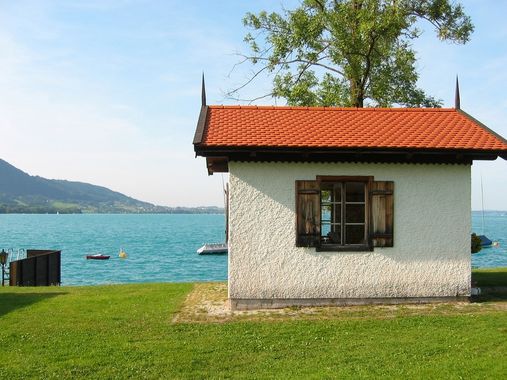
{"x": 335, "y": 235}
{"x": 337, "y": 192}
{"x": 325, "y": 196}
{"x": 337, "y": 213}
{"x": 355, "y": 191}
{"x": 354, "y": 235}
{"x": 325, "y": 229}
{"x": 355, "y": 213}
{"x": 325, "y": 214}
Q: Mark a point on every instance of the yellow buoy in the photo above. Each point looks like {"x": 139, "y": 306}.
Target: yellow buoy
{"x": 122, "y": 254}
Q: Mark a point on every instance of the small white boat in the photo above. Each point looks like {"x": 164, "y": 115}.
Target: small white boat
{"x": 213, "y": 249}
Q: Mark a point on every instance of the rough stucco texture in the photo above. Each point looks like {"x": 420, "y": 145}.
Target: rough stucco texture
{"x": 430, "y": 256}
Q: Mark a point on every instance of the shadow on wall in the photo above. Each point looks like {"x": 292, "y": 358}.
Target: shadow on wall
{"x": 12, "y": 301}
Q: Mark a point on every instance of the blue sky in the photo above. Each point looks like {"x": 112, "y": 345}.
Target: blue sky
{"x": 108, "y": 92}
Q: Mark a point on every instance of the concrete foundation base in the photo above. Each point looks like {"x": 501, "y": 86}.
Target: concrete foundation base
{"x": 253, "y": 304}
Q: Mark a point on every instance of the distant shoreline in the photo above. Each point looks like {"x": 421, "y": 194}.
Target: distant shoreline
{"x": 116, "y": 213}
{"x": 490, "y": 211}
{"x": 176, "y": 210}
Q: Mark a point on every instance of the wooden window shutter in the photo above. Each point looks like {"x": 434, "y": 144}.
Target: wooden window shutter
{"x": 382, "y": 207}
{"x": 307, "y": 213}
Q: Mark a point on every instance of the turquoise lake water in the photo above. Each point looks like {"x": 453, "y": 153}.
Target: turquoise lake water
{"x": 160, "y": 247}
{"x": 495, "y": 228}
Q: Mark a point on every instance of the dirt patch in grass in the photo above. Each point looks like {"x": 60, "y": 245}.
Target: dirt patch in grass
{"x": 207, "y": 303}
{"x": 206, "y": 300}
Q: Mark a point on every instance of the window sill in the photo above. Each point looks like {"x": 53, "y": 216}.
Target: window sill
{"x": 343, "y": 248}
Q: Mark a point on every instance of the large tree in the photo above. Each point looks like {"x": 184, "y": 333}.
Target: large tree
{"x": 349, "y": 52}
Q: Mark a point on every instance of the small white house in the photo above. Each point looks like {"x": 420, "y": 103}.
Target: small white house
{"x": 344, "y": 205}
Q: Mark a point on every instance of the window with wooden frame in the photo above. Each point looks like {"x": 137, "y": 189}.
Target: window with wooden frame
{"x": 344, "y": 213}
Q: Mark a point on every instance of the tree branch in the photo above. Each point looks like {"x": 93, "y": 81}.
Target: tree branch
{"x": 319, "y": 3}
{"x": 296, "y": 60}
{"x": 250, "y": 101}
{"x": 367, "y": 69}
{"x": 256, "y": 74}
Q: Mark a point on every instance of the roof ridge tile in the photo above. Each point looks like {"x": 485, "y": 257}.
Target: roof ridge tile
{"x": 332, "y": 108}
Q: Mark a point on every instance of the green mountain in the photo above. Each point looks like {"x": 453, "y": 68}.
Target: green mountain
{"x": 23, "y": 193}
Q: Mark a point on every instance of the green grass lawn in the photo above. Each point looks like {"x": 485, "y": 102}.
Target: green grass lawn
{"x": 126, "y": 331}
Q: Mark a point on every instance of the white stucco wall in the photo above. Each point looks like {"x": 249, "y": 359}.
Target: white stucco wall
{"x": 430, "y": 256}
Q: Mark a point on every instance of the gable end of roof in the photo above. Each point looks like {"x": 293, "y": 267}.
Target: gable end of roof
{"x": 482, "y": 125}
{"x": 201, "y": 124}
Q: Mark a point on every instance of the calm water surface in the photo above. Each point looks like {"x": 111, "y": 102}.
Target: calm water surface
{"x": 161, "y": 248}
{"x": 495, "y": 228}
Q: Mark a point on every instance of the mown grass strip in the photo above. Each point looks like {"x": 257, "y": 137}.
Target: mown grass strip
{"x": 126, "y": 331}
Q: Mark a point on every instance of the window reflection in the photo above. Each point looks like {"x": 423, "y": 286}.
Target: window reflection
{"x": 343, "y": 223}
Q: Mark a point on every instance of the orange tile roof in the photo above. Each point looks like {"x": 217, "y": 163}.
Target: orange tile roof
{"x": 345, "y": 128}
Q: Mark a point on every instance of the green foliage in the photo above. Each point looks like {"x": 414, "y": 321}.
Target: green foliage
{"x": 476, "y": 243}
{"x": 350, "y": 52}
{"x": 126, "y": 332}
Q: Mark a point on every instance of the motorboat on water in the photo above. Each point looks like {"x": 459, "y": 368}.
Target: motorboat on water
{"x": 485, "y": 242}
{"x": 213, "y": 249}
{"x": 97, "y": 256}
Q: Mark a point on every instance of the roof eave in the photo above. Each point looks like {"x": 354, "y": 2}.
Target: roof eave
{"x": 215, "y": 151}
{"x": 217, "y": 159}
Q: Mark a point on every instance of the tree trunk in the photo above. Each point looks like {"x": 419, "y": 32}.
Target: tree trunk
{"x": 356, "y": 88}
{"x": 356, "y": 94}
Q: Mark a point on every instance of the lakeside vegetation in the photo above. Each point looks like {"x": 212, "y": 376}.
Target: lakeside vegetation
{"x": 127, "y": 331}
{"x": 59, "y": 207}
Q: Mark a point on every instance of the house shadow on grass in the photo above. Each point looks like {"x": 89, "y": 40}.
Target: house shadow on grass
{"x": 493, "y": 285}
{"x": 13, "y": 301}
{"x": 490, "y": 278}
{"x": 490, "y": 295}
